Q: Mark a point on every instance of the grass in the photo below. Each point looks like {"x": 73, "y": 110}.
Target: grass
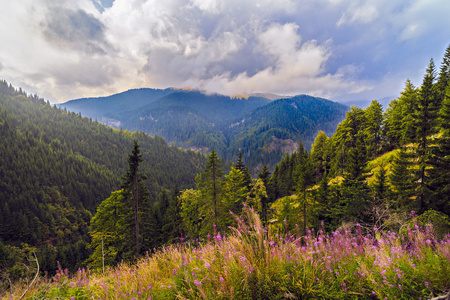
{"x": 253, "y": 263}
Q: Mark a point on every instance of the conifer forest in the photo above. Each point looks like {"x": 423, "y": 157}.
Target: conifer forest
{"x": 92, "y": 212}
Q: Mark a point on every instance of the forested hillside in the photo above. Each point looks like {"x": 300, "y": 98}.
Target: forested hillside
{"x": 271, "y": 131}
{"x": 262, "y": 129}
{"x": 57, "y": 167}
{"x": 380, "y": 169}
{"x": 382, "y": 173}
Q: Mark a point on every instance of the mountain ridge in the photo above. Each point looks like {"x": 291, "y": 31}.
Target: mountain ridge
{"x": 193, "y": 119}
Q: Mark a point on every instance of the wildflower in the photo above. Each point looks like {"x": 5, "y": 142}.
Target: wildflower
{"x": 426, "y": 283}
{"x": 242, "y": 258}
{"x": 400, "y": 287}
{"x": 207, "y": 264}
{"x": 221, "y": 279}
{"x": 219, "y": 237}
{"x": 196, "y": 282}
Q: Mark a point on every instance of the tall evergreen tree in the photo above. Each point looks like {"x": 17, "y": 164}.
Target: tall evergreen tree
{"x": 373, "y": 134}
{"x": 304, "y": 171}
{"x": 241, "y": 166}
{"x": 440, "y": 173}
{"x": 320, "y": 155}
{"x": 173, "y": 227}
{"x": 425, "y": 121}
{"x": 401, "y": 181}
{"x": 264, "y": 175}
{"x": 212, "y": 187}
{"x": 444, "y": 75}
{"x": 134, "y": 189}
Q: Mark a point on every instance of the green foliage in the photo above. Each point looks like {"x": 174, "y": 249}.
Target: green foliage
{"x": 251, "y": 263}
{"x": 194, "y": 120}
{"x": 108, "y": 230}
{"x": 58, "y": 166}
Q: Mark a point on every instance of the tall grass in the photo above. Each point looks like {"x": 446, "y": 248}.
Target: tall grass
{"x": 253, "y": 263}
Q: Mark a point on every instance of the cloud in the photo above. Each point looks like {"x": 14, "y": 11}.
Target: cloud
{"x": 363, "y": 14}
{"x": 343, "y": 49}
{"x": 75, "y": 29}
{"x": 294, "y": 67}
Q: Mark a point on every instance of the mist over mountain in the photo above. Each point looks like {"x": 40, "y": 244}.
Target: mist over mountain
{"x": 264, "y": 127}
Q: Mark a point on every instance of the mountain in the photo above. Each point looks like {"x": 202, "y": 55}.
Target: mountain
{"x": 267, "y": 125}
{"x": 57, "y": 166}
{"x": 276, "y": 128}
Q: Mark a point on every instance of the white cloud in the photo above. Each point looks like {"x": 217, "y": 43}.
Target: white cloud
{"x": 296, "y": 67}
{"x": 363, "y": 14}
{"x": 338, "y": 48}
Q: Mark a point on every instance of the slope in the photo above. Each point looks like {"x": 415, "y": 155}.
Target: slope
{"x": 201, "y": 122}
{"x": 273, "y": 130}
{"x": 58, "y": 166}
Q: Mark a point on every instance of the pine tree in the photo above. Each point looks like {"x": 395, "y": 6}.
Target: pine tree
{"x": 241, "y": 166}
{"x": 373, "y": 132}
{"x": 444, "y": 76}
{"x": 401, "y": 181}
{"x": 425, "y": 121}
{"x": 134, "y": 189}
{"x": 174, "y": 222}
{"x": 264, "y": 175}
{"x": 304, "y": 173}
{"x": 408, "y": 104}
{"x": 320, "y": 156}
{"x": 212, "y": 188}
{"x": 354, "y": 189}
{"x": 393, "y": 125}
{"x": 440, "y": 172}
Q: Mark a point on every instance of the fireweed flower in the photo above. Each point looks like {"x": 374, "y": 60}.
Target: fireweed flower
{"x": 196, "y": 282}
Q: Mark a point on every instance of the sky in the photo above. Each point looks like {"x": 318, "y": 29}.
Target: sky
{"x": 348, "y": 51}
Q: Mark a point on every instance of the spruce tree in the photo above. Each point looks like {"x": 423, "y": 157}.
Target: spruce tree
{"x": 320, "y": 155}
{"x": 134, "y": 189}
{"x": 440, "y": 172}
{"x": 241, "y": 166}
{"x": 373, "y": 130}
{"x": 425, "y": 121}
{"x": 304, "y": 171}
{"x": 264, "y": 175}
{"x": 212, "y": 188}
{"x": 408, "y": 104}
{"x": 173, "y": 227}
{"x": 444, "y": 75}
{"x": 401, "y": 181}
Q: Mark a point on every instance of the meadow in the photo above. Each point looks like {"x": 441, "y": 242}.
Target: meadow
{"x": 254, "y": 263}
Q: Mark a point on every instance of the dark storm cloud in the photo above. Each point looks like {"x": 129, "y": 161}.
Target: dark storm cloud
{"x": 75, "y": 29}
